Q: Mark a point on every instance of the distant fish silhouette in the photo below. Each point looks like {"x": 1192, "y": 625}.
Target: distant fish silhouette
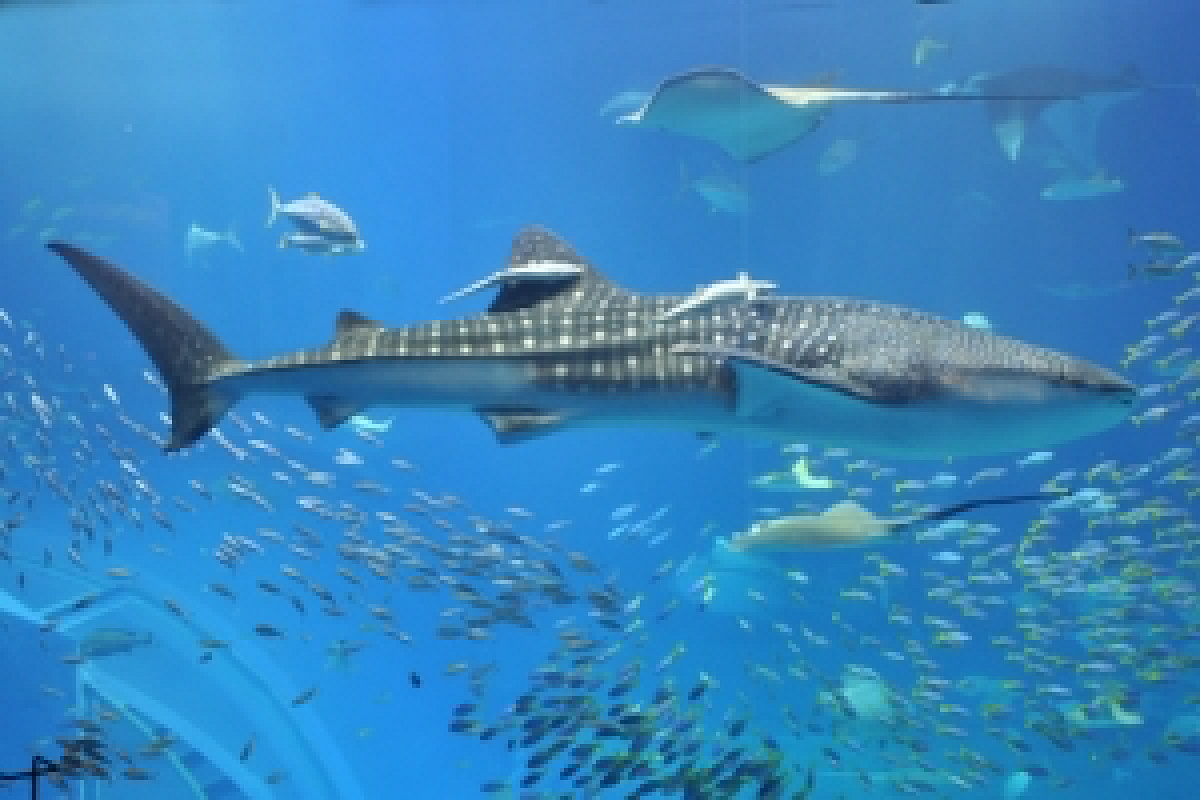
{"x": 840, "y": 154}
{"x": 199, "y": 238}
{"x": 721, "y": 192}
{"x": 1071, "y": 187}
{"x": 1078, "y": 290}
{"x": 925, "y": 48}
{"x": 1070, "y": 103}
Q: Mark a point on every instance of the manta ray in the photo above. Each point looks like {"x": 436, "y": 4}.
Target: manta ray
{"x": 563, "y": 346}
{"x": 750, "y": 120}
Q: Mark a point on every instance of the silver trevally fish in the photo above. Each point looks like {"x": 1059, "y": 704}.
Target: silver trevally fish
{"x": 318, "y": 222}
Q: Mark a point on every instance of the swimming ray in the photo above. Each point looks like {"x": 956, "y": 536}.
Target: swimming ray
{"x": 1068, "y": 102}
{"x": 750, "y": 120}
{"x": 847, "y": 524}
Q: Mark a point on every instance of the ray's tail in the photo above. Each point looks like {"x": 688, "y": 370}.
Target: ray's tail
{"x": 962, "y": 508}
{"x": 183, "y": 349}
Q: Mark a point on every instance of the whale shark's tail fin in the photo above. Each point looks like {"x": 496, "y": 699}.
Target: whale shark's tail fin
{"x": 185, "y": 352}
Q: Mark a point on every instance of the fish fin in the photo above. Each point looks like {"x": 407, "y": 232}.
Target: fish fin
{"x": 349, "y": 322}
{"x": 184, "y": 351}
{"x": 537, "y": 245}
{"x": 1010, "y": 134}
{"x": 759, "y": 380}
{"x": 273, "y": 198}
{"x": 762, "y": 388}
{"x": 332, "y": 411}
{"x": 515, "y": 425}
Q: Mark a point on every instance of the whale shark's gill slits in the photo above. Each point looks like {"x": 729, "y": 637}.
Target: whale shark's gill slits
{"x": 185, "y": 352}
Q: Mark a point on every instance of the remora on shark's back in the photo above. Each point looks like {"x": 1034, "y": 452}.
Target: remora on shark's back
{"x": 562, "y": 346}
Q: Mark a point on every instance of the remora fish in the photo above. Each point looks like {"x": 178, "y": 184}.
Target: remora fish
{"x": 559, "y": 352}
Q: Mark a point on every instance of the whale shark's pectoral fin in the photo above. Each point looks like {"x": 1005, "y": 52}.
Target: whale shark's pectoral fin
{"x": 332, "y": 411}
{"x": 764, "y": 386}
{"x": 767, "y": 388}
{"x": 514, "y": 425}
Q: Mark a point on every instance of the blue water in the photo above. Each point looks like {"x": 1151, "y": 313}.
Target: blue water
{"x": 443, "y": 128}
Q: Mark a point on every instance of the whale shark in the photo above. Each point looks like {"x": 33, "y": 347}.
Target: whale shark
{"x": 562, "y": 346}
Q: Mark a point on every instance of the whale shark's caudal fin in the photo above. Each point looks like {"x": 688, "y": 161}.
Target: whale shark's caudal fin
{"x": 183, "y": 350}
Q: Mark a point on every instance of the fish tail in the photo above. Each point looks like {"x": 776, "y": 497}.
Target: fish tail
{"x": 273, "y": 196}
{"x": 962, "y": 508}
{"x": 183, "y": 350}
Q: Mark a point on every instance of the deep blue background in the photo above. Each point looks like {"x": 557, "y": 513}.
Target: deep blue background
{"x": 444, "y": 127}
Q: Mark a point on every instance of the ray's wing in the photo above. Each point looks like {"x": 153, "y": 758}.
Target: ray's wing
{"x": 724, "y": 107}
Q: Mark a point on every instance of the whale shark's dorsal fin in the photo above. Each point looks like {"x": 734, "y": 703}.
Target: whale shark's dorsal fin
{"x": 552, "y": 268}
{"x": 351, "y": 321}
{"x": 542, "y": 269}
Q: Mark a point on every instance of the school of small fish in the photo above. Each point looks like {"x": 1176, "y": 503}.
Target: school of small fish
{"x": 971, "y": 654}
